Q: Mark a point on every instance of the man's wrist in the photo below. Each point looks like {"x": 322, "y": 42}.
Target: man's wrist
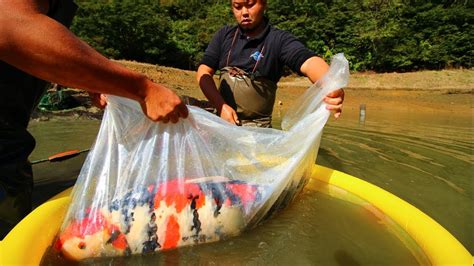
{"x": 219, "y": 108}
{"x": 142, "y": 88}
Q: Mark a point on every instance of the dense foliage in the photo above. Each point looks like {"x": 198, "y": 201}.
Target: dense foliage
{"x": 379, "y": 35}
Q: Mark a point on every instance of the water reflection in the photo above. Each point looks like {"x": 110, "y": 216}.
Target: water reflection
{"x": 430, "y": 166}
{"x": 425, "y": 158}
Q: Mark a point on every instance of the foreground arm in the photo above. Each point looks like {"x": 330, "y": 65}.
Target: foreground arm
{"x": 314, "y": 68}
{"x": 40, "y": 46}
{"x": 208, "y": 87}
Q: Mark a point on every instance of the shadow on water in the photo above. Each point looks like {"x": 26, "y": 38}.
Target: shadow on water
{"x": 344, "y": 258}
{"x": 53, "y": 137}
{"x": 53, "y": 178}
{"x": 326, "y": 153}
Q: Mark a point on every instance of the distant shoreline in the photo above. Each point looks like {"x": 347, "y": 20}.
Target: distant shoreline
{"x": 423, "y": 91}
{"x": 444, "y": 81}
{"x": 456, "y": 80}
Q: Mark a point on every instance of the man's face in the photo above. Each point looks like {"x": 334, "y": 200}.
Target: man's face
{"x": 248, "y": 13}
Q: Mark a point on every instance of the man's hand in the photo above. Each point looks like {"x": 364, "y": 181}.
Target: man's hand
{"x": 228, "y": 114}
{"x": 334, "y": 102}
{"x": 315, "y": 68}
{"x": 98, "y": 99}
{"x": 162, "y": 104}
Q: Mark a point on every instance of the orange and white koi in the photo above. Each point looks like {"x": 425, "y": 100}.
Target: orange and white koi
{"x": 164, "y": 216}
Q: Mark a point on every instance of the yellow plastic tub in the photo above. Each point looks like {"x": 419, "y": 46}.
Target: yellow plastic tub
{"x": 36, "y": 231}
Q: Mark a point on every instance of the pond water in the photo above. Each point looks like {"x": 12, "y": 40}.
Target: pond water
{"x": 425, "y": 159}
{"x": 324, "y": 226}
{"x": 53, "y": 137}
{"x": 427, "y": 162}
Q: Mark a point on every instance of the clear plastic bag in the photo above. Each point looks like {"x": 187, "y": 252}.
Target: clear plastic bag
{"x": 149, "y": 186}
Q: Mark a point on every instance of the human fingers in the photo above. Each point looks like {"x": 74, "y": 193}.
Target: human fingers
{"x": 333, "y": 101}
{"x": 165, "y": 119}
{"x": 153, "y": 116}
{"x": 235, "y": 118}
{"x": 174, "y": 117}
{"x": 337, "y": 109}
{"x": 228, "y": 117}
{"x": 98, "y": 100}
{"x": 226, "y": 113}
{"x": 336, "y": 94}
{"x": 162, "y": 104}
{"x": 103, "y": 100}
{"x": 182, "y": 110}
{"x": 335, "y": 97}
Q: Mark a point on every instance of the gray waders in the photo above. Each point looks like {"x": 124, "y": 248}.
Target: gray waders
{"x": 251, "y": 97}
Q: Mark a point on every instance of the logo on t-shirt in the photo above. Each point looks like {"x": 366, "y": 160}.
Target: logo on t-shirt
{"x": 257, "y": 56}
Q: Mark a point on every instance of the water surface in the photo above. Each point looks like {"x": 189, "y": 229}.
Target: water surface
{"x": 425, "y": 159}
{"x": 427, "y": 162}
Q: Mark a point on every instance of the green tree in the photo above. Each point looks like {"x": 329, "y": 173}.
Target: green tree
{"x": 135, "y": 30}
{"x": 380, "y": 35}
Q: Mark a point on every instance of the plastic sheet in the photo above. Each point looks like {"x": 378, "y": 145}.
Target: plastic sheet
{"x": 149, "y": 186}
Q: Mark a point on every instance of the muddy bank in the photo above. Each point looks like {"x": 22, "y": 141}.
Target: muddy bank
{"x": 426, "y": 91}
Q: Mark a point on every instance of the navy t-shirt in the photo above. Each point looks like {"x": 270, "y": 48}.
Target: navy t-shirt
{"x": 276, "y": 48}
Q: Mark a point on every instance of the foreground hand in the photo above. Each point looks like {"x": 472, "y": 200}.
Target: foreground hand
{"x": 162, "y": 104}
{"x": 334, "y": 102}
{"x": 229, "y": 114}
{"x": 98, "y": 99}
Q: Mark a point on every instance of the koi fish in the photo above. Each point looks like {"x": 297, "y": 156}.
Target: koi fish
{"x": 164, "y": 216}
{"x": 84, "y": 238}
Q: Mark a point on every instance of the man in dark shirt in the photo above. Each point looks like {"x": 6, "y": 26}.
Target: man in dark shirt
{"x": 35, "y": 46}
{"x": 251, "y": 57}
